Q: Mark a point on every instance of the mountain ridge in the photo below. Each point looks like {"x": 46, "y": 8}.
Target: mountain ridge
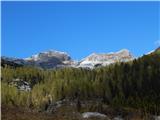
{"x": 58, "y": 59}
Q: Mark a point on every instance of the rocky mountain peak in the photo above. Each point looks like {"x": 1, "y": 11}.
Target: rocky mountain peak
{"x": 63, "y": 56}
{"x": 124, "y": 52}
{"x": 103, "y": 59}
{"x": 106, "y": 56}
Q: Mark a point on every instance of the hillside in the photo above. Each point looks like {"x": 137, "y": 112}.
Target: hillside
{"x": 122, "y": 86}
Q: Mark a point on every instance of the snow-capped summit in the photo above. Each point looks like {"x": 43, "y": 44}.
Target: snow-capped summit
{"x": 103, "y": 59}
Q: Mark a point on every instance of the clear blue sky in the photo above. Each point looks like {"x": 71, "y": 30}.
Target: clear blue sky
{"x": 79, "y": 28}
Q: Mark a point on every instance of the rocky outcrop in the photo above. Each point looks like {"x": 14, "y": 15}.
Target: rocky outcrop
{"x": 20, "y": 84}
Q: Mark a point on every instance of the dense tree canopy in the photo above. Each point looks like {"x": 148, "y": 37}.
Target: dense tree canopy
{"x": 133, "y": 84}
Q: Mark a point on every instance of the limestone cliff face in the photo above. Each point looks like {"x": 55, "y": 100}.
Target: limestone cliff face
{"x": 106, "y": 58}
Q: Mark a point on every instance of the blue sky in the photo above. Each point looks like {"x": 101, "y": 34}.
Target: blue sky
{"x": 79, "y": 28}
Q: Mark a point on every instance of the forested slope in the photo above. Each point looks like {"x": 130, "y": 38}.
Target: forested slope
{"x": 134, "y": 84}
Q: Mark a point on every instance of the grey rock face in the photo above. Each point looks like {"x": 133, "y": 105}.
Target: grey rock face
{"x": 49, "y": 59}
